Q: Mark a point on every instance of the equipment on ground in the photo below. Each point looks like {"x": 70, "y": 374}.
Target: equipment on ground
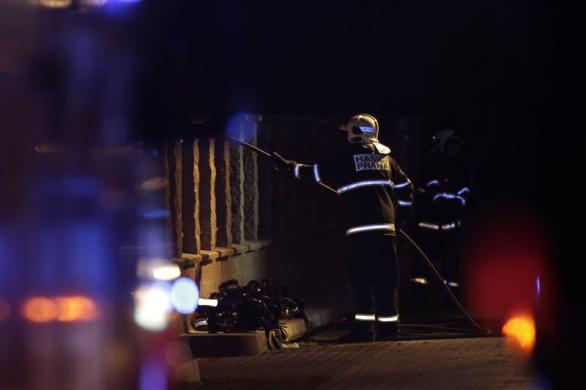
{"x": 256, "y": 306}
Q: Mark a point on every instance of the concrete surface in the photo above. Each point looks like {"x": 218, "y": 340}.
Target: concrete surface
{"x": 472, "y": 363}
{"x": 225, "y": 344}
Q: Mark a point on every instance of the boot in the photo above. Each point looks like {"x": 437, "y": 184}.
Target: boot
{"x": 361, "y": 332}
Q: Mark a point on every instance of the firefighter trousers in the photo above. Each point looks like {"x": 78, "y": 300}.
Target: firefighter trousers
{"x": 374, "y": 276}
{"x": 443, "y": 248}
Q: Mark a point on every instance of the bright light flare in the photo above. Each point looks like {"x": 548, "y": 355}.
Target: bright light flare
{"x": 158, "y": 269}
{"x": 520, "y": 331}
{"x": 184, "y": 295}
{"x": 152, "y": 306}
{"x": 59, "y": 309}
{"x": 167, "y": 272}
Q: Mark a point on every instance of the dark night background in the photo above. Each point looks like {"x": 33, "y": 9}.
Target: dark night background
{"x": 493, "y": 71}
{"x": 507, "y": 76}
{"x": 504, "y": 74}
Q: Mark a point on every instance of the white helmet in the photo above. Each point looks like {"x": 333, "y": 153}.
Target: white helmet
{"x": 363, "y": 129}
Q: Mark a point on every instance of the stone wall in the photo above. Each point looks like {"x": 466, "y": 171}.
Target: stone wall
{"x": 235, "y": 217}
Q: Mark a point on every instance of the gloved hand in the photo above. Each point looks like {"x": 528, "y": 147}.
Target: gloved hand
{"x": 280, "y": 163}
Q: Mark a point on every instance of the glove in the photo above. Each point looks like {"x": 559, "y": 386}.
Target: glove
{"x": 280, "y": 163}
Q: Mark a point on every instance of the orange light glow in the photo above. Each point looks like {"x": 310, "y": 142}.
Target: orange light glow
{"x": 40, "y": 310}
{"x": 62, "y": 309}
{"x": 51, "y": 3}
{"x": 55, "y": 3}
{"x": 520, "y": 331}
{"x": 75, "y": 309}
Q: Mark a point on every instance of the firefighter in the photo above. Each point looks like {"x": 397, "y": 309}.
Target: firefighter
{"x": 441, "y": 203}
{"x": 370, "y": 186}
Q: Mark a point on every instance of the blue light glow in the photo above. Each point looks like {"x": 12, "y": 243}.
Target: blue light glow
{"x": 153, "y": 375}
{"x": 538, "y": 286}
{"x": 156, "y": 213}
{"x": 241, "y": 126}
{"x": 81, "y": 186}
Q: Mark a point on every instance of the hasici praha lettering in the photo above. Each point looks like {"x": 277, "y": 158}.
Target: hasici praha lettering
{"x": 376, "y": 162}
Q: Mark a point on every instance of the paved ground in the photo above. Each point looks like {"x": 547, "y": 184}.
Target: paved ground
{"x": 472, "y": 363}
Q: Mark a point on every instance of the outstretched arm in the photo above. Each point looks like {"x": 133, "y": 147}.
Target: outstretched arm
{"x": 299, "y": 170}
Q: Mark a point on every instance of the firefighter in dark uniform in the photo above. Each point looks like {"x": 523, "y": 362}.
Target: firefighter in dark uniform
{"x": 441, "y": 203}
{"x": 371, "y": 186}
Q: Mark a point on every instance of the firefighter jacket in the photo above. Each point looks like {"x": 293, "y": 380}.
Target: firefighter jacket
{"x": 445, "y": 195}
{"x": 372, "y": 188}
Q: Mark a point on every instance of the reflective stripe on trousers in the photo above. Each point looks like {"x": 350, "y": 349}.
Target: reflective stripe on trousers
{"x": 374, "y": 317}
{"x": 364, "y": 317}
{"x": 394, "y": 318}
{"x": 366, "y": 228}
